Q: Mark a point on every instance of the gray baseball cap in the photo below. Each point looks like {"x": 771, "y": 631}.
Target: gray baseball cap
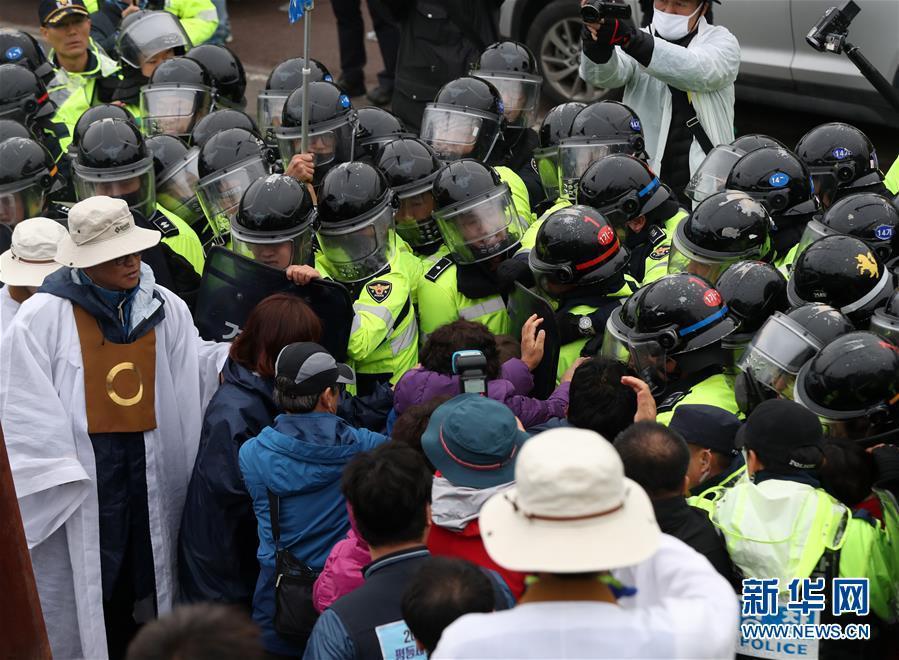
{"x": 311, "y": 368}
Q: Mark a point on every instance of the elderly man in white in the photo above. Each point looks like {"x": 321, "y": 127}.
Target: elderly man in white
{"x": 678, "y": 76}
{"x": 103, "y": 380}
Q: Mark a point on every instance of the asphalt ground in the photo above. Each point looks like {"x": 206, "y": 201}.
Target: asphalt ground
{"x": 263, "y": 37}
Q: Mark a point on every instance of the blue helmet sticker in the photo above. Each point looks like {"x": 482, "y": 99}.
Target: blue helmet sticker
{"x": 344, "y": 101}
{"x": 14, "y": 53}
{"x": 779, "y": 179}
{"x": 635, "y": 125}
{"x": 841, "y": 153}
{"x": 328, "y": 77}
{"x": 883, "y": 232}
{"x": 501, "y": 107}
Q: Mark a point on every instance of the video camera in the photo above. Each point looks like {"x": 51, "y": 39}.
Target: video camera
{"x": 471, "y": 367}
{"x": 595, "y": 10}
{"x": 831, "y": 31}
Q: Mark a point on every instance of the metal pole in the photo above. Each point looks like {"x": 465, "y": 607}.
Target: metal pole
{"x": 307, "y": 32}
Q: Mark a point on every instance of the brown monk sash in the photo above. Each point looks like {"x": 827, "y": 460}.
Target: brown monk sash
{"x": 119, "y": 379}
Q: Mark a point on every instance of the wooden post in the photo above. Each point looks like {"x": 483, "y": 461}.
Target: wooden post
{"x": 21, "y": 621}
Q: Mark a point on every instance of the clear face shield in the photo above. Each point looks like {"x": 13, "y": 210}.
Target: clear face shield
{"x": 361, "y": 250}
{"x": 520, "y": 94}
{"x": 684, "y": 261}
{"x": 813, "y": 231}
{"x": 269, "y": 105}
{"x": 614, "y": 340}
{"x": 455, "y": 134}
{"x": 275, "y": 251}
{"x": 150, "y": 35}
{"x": 414, "y": 222}
{"x": 220, "y": 193}
{"x": 176, "y": 189}
{"x": 330, "y": 144}
{"x": 22, "y": 200}
{"x": 136, "y": 184}
{"x": 577, "y": 154}
{"x": 777, "y": 352}
{"x": 547, "y": 162}
{"x": 173, "y": 109}
{"x": 885, "y": 326}
{"x": 711, "y": 176}
{"x": 481, "y": 228}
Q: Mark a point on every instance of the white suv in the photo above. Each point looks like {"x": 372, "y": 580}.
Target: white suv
{"x": 778, "y": 67}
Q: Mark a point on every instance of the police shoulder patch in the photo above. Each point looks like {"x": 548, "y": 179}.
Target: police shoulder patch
{"x": 379, "y": 290}
{"x": 660, "y": 253}
{"x": 164, "y": 226}
{"x": 438, "y": 269}
{"x": 656, "y": 235}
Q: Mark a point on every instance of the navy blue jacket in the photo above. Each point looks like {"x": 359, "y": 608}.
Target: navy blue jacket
{"x": 218, "y": 542}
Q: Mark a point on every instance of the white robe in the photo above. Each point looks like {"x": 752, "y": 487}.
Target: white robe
{"x": 42, "y": 409}
{"x": 8, "y": 309}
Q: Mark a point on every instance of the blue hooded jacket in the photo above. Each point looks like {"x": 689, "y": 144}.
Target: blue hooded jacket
{"x": 301, "y": 460}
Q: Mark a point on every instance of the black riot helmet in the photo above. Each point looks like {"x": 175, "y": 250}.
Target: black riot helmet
{"x": 600, "y": 129}
{"x": 556, "y": 125}
{"x": 841, "y": 160}
{"x": 226, "y": 71}
{"x": 227, "y": 164}
{"x": 885, "y": 321}
{"x": 777, "y": 178}
{"x": 220, "y": 120}
{"x": 465, "y": 120}
{"x": 711, "y": 175}
{"x": 285, "y": 78}
{"x": 723, "y": 229}
{"x": 411, "y": 167}
{"x": 512, "y": 68}
{"x": 622, "y": 188}
{"x": 375, "y": 128}
{"x": 868, "y": 216}
{"x": 852, "y": 384}
{"x": 96, "y": 113}
{"x": 166, "y": 150}
{"x": 355, "y": 222}
{"x": 842, "y": 271}
{"x": 753, "y": 141}
{"x": 332, "y": 127}
{"x": 145, "y": 34}
{"x": 9, "y": 128}
{"x": 18, "y": 47}
{"x": 177, "y": 95}
{"x": 23, "y": 96}
{"x": 683, "y": 317}
{"x": 27, "y": 174}
{"x": 475, "y": 212}
{"x": 113, "y": 160}
{"x": 273, "y": 224}
{"x": 753, "y": 290}
{"x": 175, "y": 167}
{"x": 577, "y": 248}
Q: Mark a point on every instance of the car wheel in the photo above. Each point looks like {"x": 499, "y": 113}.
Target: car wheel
{"x": 555, "y": 39}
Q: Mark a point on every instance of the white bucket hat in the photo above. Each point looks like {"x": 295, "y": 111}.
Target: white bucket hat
{"x": 102, "y": 229}
{"x": 31, "y": 255}
{"x": 571, "y": 510}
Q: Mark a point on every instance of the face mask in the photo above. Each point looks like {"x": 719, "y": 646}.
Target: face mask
{"x": 672, "y": 26}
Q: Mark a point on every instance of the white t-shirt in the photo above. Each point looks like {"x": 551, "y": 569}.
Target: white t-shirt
{"x": 683, "y": 609}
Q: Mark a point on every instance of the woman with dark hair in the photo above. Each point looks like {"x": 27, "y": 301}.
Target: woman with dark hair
{"x": 508, "y": 383}
{"x": 217, "y": 548}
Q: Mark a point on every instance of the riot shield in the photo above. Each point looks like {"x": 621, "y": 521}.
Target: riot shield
{"x": 233, "y": 285}
{"x": 522, "y": 304}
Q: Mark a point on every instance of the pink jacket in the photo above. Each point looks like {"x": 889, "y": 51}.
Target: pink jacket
{"x": 343, "y": 568}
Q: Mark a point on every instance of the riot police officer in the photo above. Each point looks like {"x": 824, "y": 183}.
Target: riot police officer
{"x": 711, "y": 175}
{"x": 27, "y": 174}
{"x": 357, "y": 240}
{"x": 376, "y": 127}
{"x": 286, "y": 77}
{"x": 23, "y": 98}
{"x": 555, "y": 126}
{"x": 176, "y": 97}
{"x": 579, "y": 264}
{"x": 18, "y": 47}
{"x": 675, "y": 344}
{"x": 643, "y": 210}
{"x": 868, "y": 216}
{"x": 175, "y": 169}
{"x": 779, "y": 180}
{"x": 411, "y": 167}
{"x": 96, "y": 113}
{"x": 723, "y": 229}
{"x": 226, "y": 71}
{"x": 481, "y": 228}
{"x": 220, "y": 120}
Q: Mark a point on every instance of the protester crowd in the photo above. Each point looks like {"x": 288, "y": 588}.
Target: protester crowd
{"x": 513, "y": 388}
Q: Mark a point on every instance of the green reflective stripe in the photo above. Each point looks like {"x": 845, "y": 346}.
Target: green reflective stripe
{"x": 490, "y": 306}
{"x": 406, "y": 338}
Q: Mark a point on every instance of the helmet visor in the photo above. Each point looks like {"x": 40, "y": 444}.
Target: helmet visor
{"x": 481, "y": 228}
{"x": 268, "y": 110}
{"x": 22, "y": 200}
{"x": 576, "y": 156}
{"x": 885, "y": 326}
{"x": 176, "y": 189}
{"x": 813, "y": 231}
{"x": 220, "y": 193}
{"x": 521, "y": 97}
{"x": 414, "y": 222}
{"x": 777, "y": 352}
{"x": 649, "y": 359}
{"x": 278, "y": 252}
{"x": 683, "y": 261}
{"x": 173, "y": 110}
{"x": 151, "y": 35}
{"x": 136, "y": 184}
{"x": 711, "y": 176}
{"x": 330, "y": 145}
{"x": 547, "y": 162}
{"x": 362, "y": 250}
{"x": 454, "y": 134}
{"x": 614, "y": 340}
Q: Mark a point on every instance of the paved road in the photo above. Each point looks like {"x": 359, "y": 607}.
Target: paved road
{"x": 263, "y": 37}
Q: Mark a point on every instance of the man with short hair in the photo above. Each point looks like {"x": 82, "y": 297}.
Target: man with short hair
{"x": 598, "y": 401}
{"x": 657, "y": 458}
{"x": 710, "y": 433}
{"x": 571, "y": 519}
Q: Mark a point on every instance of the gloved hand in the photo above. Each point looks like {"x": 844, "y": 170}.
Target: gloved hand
{"x": 568, "y": 327}
{"x": 511, "y": 271}
{"x": 616, "y": 32}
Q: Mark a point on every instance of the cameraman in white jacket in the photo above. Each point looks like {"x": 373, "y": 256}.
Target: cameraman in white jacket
{"x": 678, "y": 75}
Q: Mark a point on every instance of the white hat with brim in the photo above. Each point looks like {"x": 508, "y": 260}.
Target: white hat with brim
{"x": 102, "y": 229}
{"x": 31, "y": 255}
{"x": 571, "y": 510}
